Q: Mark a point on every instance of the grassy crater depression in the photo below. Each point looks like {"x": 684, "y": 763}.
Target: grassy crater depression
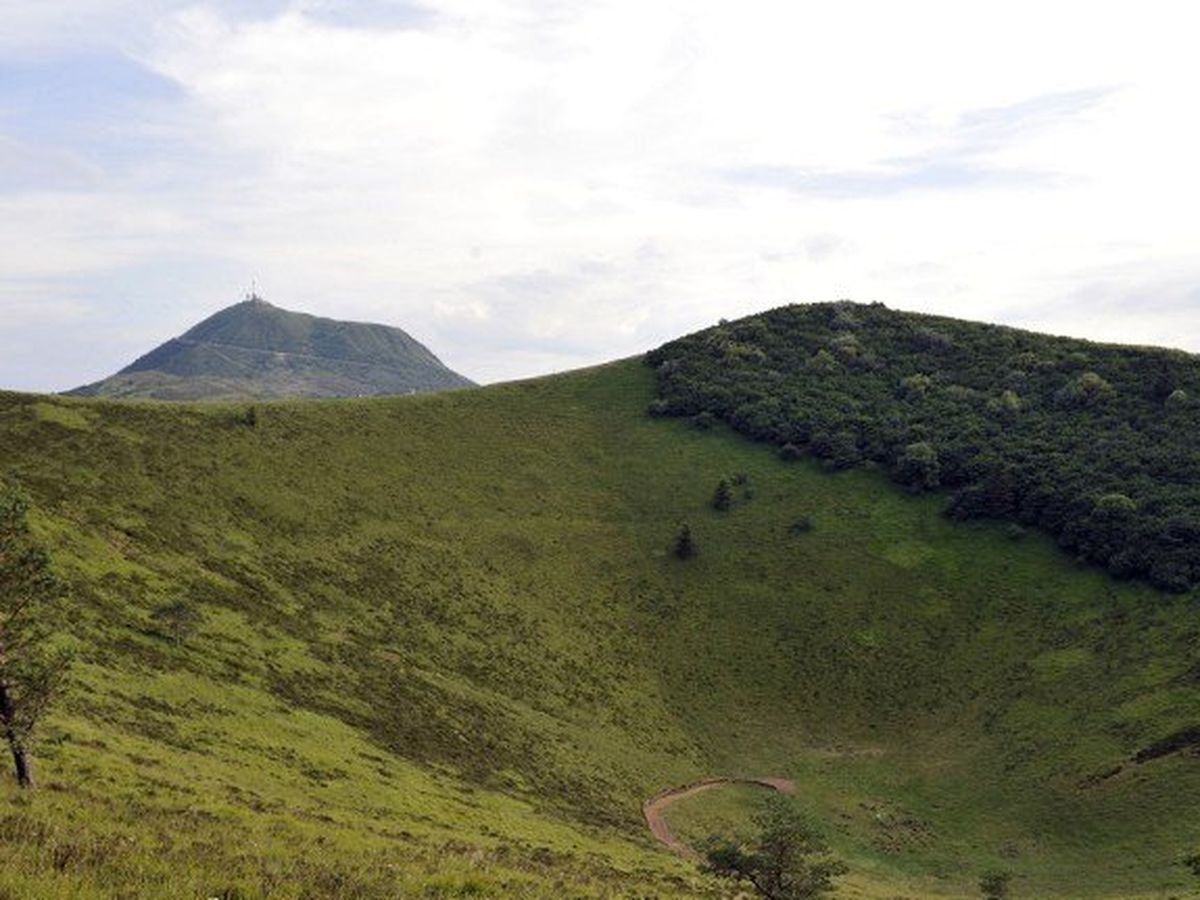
{"x": 445, "y": 651}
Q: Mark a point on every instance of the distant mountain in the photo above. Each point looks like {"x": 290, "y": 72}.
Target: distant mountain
{"x": 253, "y": 350}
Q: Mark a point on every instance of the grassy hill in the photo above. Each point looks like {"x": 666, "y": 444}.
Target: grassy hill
{"x": 446, "y": 652}
{"x": 1093, "y": 443}
{"x": 253, "y": 350}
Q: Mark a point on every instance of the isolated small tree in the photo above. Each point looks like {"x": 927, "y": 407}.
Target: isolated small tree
{"x": 994, "y": 885}
{"x": 722, "y": 496}
{"x": 178, "y": 619}
{"x": 685, "y": 547}
{"x": 32, "y": 673}
{"x": 786, "y": 860}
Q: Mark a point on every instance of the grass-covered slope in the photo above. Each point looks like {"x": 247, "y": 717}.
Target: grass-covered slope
{"x": 1098, "y": 445}
{"x": 446, "y": 652}
{"x": 253, "y": 350}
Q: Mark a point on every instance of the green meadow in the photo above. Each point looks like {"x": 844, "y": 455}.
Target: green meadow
{"x": 445, "y": 651}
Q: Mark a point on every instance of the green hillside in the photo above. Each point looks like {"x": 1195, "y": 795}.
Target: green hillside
{"x": 1093, "y": 443}
{"x": 253, "y": 350}
{"x": 446, "y": 652}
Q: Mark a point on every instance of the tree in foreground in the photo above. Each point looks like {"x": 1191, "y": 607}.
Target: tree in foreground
{"x": 32, "y": 672}
{"x": 786, "y": 860}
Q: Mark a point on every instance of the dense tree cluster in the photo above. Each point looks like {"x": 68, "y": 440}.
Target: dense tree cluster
{"x": 1098, "y": 445}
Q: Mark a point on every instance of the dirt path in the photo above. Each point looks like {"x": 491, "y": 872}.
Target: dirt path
{"x": 654, "y": 808}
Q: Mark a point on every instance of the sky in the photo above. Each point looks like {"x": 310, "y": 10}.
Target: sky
{"x": 534, "y": 185}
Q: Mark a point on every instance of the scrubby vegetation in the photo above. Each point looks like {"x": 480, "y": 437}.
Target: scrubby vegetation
{"x": 722, "y": 496}
{"x": 1095, "y": 444}
{"x": 994, "y": 885}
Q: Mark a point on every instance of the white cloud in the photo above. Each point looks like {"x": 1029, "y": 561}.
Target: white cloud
{"x": 537, "y": 184}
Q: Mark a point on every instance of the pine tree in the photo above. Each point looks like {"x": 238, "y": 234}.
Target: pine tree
{"x": 722, "y": 496}
{"x": 685, "y": 547}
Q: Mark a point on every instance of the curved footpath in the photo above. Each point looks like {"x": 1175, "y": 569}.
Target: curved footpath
{"x": 654, "y": 808}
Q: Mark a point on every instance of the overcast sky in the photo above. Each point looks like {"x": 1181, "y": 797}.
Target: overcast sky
{"x": 532, "y": 185}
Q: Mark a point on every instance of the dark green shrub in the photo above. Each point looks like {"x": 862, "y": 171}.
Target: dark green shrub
{"x": 822, "y": 363}
{"x": 915, "y": 387}
{"x": 837, "y": 449}
{"x": 722, "y": 497}
{"x": 918, "y": 467}
{"x": 1192, "y": 863}
{"x": 994, "y": 885}
{"x": 685, "y": 546}
{"x": 1087, "y": 390}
